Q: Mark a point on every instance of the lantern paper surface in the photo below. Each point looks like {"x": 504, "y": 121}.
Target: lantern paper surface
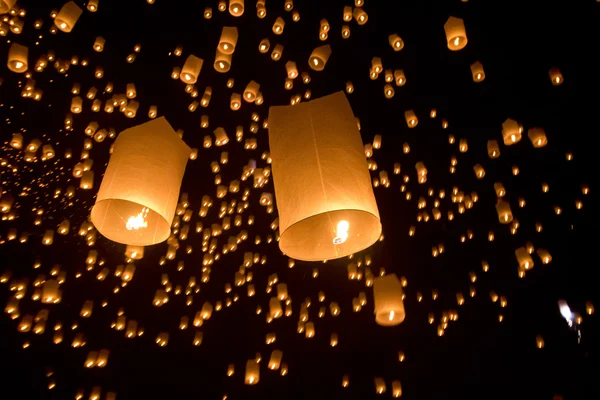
{"x": 139, "y": 192}
{"x": 323, "y": 189}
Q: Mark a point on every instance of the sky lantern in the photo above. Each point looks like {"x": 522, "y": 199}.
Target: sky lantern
{"x": 318, "y": 58}
{"x": 555, "y": 77}
{"x": 537, "y": 137}
{"x": 236, "y": 7}
{"x": 191, "y": 69}
{"x": 389, "y": 306}
{"x": 222, "y": 62}
{"x": 252, "y": 372}
{"x": 138, "y": 195}
{"x": 396, "y": 42}
{"x": 228, "y": 40}
{"x": 456, "y": 36}
{"x": 17, "y": 58}
{"x": 511, "y": 132}
{"x": 67, "y": 16}
{"x": 477, "y": 72}
{"x": 326, "y": 204}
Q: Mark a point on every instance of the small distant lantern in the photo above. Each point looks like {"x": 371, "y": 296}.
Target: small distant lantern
{"x": 504, "y": 213}
{"x": 389, "y": 306}
{"x": 251, "y": 91}
{"x": 236, "y": 7}
{"x": 264, "y": 46}
{"x": 556, "y": 76}
{"x": 411, "y": 118}
{"x": 477, "y": 72}
{"x": 493, "y": 149}
{"x": 537, "y": 137}
{"x": 191, "y": 69}
{"x": 360, "y": 16}
{"x": 278, "y": 26}
{"x": 396, "y": 42}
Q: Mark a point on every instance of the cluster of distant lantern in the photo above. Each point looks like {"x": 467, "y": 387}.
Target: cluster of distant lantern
{"x": 325, "y": 200}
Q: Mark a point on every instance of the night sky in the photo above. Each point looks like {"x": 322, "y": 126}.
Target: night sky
{"x": 507, "y": 340}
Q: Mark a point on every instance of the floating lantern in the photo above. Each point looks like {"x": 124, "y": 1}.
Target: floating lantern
{"x": 511, "y": 132}
{"x": 275, "y": 360}
{"x": 493, "y": 149}
{"x": 228, "y": 40}
{"x": 319, "y": 56}
{"x": 277, "y": 52}
{"x": 327, "y": 212}
{"x": 67, "y": 16}
{"x": 360, "y": 16}
{"x": 99, "y": 44}
{"x": 236, "y": 7}
{"x": 389, "y": 306}
{"x": 222, "y": 62}
{"x": 264, "y": 45}
{"x": 252, "y": 372}
{"x": 537, "y": 137}
{"x": 396, "y": 42}
{"x": 278, "y": 26}
{"x": 456, "y": 36}
{"x": 556, "y": 77}
{"x": 477, "y": 72}
{"x": 524, "y": 258}
{"x": 92, "y": 5}
{"x": 17, "y": 58}
{"x": 251, "y": 91}
{"x": 137, "y": 198}
{"x": 399, "y": 77}
{"x": 411, "y": 118}
{"x": 191, "y": 69}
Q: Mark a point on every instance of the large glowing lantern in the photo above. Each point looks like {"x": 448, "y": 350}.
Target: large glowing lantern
{"x": 326, "y": 205}
{"x": 456, "y": 36}
{"x": 318, "y": 58}
{"x": 138, "y": 195}
{"x": 389, "y": 306}
{"x": 17, "y": 58}
{"x": 67, "y": 16}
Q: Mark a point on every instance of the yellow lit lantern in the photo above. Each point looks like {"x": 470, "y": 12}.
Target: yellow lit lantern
{"x": 208, "y": 13}
{"x": 504, "y": 213}
{"x": 278, "y": 26}
{"x": 396, "y": 389}
{"x": 511, "y": 132}
{"x": 251, "y": 91}
{"x": 396, "y": 42}
{"x": 556, "y": 76}
{"x": 137, "y": 198}
{"x": 6, "y": 5}
{"x": 411, "y": 118}
{"x": 379, "y": 386}
{"x": 236, "y": 101}
{"x": 291, "y": 69}
{"x": 477, "y": 72}
{"x": 524, "y": 258}
{"x": 319, "y": 56}
{"x": 388, "y": 91}
{"x": 67, "y": 16}
{"x": 51, "y": 293}
{"x": 99, "y": 44}
{"x": 236, "y": 7}
{"x": 17, "y": 58}
{"x": 228, "y": 40}
{"x": 537, "y": 137}
{"x": 456, "y": 36}
{"x": 275, "y": 360}
{"x": 191, "y": 69}
{"x": 277, "y": 52}
{"x": 399, "y": 77}
{"x": 92, "y": 5}
{"x": 222, "y": 62}
{"x": 264, "y": 45}
{"x": 493, "y": 149}
{"x": 360, "y": 16}
{"x": 330, "y": 211}
{"x": 252, "y": 372}
{"x": 87, "y": 180}
{"x": 134, "y": 252}
{"x": 389, "y": 306}
{"x": 221, "y": 137}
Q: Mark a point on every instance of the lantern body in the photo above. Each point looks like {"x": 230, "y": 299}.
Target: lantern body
{"x": 504, "y": 213}
{"x": 396, "y": 42}
{"x": 67, "y": 16}
{"x": 493, "y": 149}
{"x": 456, "y": 36}
{"x": 389, "y": 306}
{"x": 228, "y": 40}
{"x": 191, "y": 69}
{"x": 236, "y": 7}
{"x": 6, "y": 5}
{"x": 477, "y": 71}
{"x": 222, "y": 62}
{"x": 251, "y": 91}
{"x": 318, "y": 58}
{"x": 555, "y": 76}
{"x": 138, "y": 195}
{"x": 17, "y": 58}
{"x": 252, "y": 372}
{"x": 323, "y": 189}
{"x": 537, "y": 137}
{"x": 511, "y": 132}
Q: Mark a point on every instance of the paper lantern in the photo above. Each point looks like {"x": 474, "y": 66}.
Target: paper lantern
{"x": 511, "y": 132}
{"x": 523, "y": 258}
{"x": 191, "y": 69}
{"x": 6, "y": 5}
{"x": 411, "y": 118}
{"x": 275, "y": 360}
{"x": 236, "y": 101}
{"x": 326, "y": 204}
{"x": 396, "y": 42}
{"x": 291, "y": 69}
{"x": 51, "y": 293}
{"x": 388, "y": 91}
{"x": 251, "y": 91}
{"x": 264, "y": 45}
{"x": 399, "y": 77}
{"x": 138, "y": 195}
{"x": 319, "y": 56}
{"x": 222, "y": 62}
{"x": 17, "y": 58}
{"x": 456, "y": 36}
{"x": 555, "y": 76}
{"x": 504, "y": 213}
{"x": 278, "y": 26}
{"x": 236, "y": 7}
{"x": 252, "y": 372}
{"x": 92, "y": 5}
{"x": 99, "y": 44}
{"x": 389, "y": 306}
{"x": 221, "y": 138}
{"x": 360, "y": 16}
{"x": 537, "y": 137}
{"x": 477, "y": 72}
{"x": 228, "y": 40}
{"x": 277, "y": 52}
{"x": 134, "y": 252}
{"x": 493, "y": 149}
{"x": 67, "y": 16}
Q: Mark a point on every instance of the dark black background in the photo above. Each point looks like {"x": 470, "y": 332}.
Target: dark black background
{"x": 478, "y": 358}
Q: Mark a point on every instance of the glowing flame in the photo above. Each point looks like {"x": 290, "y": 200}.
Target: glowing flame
{"x": 138, "y": 221}
{"x": 342, "y": 232}
{"x": 565, "y": 311}
{"x": 391, "y": 315}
